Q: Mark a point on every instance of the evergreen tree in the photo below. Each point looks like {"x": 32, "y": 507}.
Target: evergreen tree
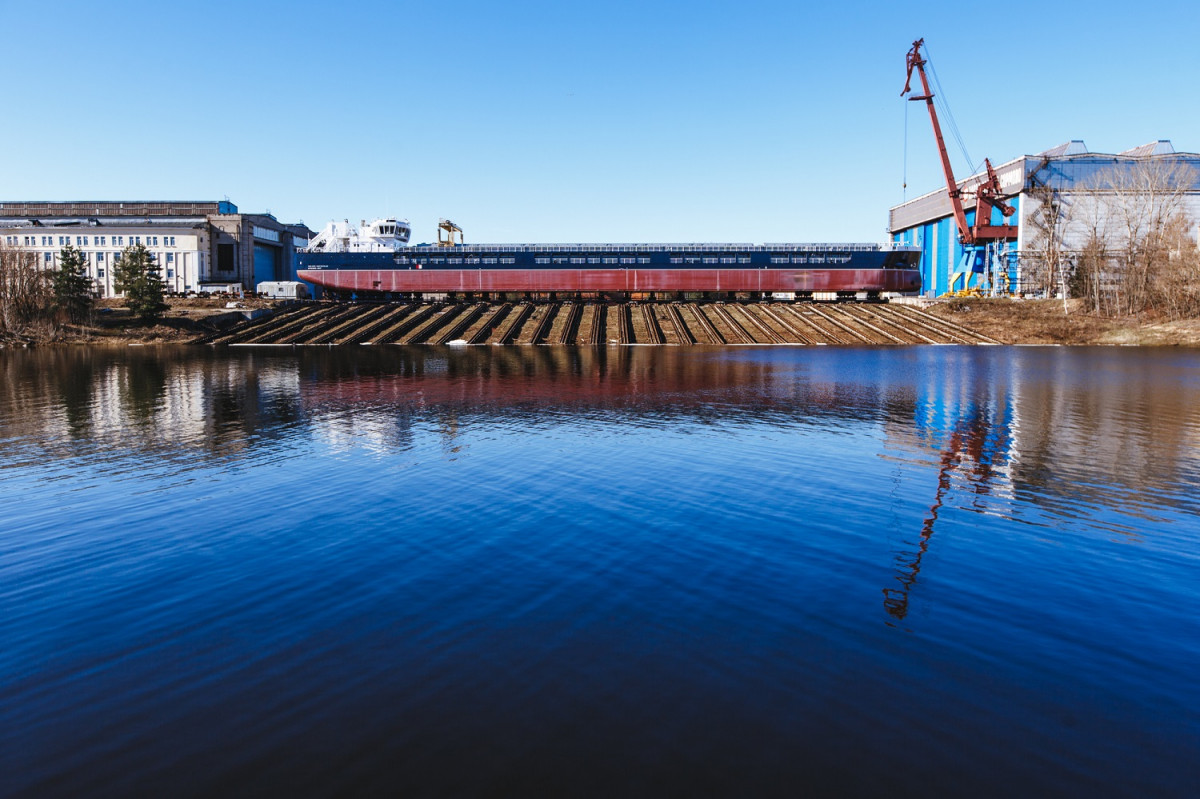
{"x": 136, "y": 275}
{"x": 71, "y": 285}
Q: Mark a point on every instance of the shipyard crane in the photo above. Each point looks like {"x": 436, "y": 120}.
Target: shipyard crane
{"x": 453, "y": 233}
{"x": 987, "y": 193}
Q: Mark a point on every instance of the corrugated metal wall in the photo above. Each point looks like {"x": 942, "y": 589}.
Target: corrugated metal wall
{"x": 930, "y": 226}
{"x": 942, "y": 254}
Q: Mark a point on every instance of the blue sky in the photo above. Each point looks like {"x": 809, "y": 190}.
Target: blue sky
{"x": 539, "y": 121}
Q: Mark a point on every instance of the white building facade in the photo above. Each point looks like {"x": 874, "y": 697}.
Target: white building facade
{"x": 180, "y": 251}
{"x": 193, "y": 243}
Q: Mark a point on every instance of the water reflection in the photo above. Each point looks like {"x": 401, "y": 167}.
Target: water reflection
{"x": 977, "y": 451}
{"x": 1064, "y": 426}
{"x": 667, "y": 558}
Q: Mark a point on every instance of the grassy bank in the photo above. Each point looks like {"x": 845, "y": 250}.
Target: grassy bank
{"x": 112, "y": 324}
{"x": 1053, "y": 322}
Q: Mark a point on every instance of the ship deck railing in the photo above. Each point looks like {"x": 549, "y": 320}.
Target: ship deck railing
{"x": 687, "y": 247}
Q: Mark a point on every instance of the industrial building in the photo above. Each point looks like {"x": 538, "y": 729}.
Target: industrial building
{"x": 1081, "y": 185}
{"x": 194, "y": 243}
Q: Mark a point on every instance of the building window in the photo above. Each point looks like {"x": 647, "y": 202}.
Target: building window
{"x": 99, "y": 241}
{"x": 172, "y": 241}
{"x": 170, "y": 273}
{"x": 170, "y": 257}
{"x": 99, "y": 273}
{"x": 99, "y": 257}
{"x": 49, "y": 257}
{"x": 508, "y": 260}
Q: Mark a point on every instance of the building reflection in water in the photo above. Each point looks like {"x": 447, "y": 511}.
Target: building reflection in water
{"x": 981, "y": 427}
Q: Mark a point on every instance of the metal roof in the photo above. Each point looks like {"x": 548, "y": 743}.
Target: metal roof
{"x": 1066, "y": 165}
{"x": 89, "y": 208}
{"x": 1160, "y": 147}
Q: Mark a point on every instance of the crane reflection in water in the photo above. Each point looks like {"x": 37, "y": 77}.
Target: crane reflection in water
{"x": 977, "y": 451}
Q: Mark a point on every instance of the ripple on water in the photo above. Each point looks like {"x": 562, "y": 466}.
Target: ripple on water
{"x": 506, "y": 570}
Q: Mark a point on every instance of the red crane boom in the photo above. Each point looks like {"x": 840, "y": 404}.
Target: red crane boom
{"x": 987, "y": 193}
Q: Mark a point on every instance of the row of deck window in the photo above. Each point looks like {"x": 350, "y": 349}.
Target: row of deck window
{"x": 86, "y": 241}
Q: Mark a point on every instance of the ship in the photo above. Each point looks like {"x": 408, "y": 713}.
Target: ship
{"x": 375, "y": 261}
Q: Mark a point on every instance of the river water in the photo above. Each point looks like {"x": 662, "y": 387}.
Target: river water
{"x": 634, "y": 571}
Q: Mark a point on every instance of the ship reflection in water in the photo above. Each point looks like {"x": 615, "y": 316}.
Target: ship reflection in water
{"x": 520, "y": 570}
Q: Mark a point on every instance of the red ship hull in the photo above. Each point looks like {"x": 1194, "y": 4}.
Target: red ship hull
{"x": 612, "y": 280}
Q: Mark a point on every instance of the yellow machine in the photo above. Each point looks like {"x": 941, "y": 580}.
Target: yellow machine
{"x": 448, "y": 232}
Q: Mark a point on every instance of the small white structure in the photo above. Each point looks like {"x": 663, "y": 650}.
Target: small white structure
{"x": 283, "y": 290}
{"x": 381, "y": 235}
{"x": 232, "y": 289}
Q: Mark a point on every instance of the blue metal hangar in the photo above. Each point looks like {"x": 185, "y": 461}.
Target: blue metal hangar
{"x": 1071, "y": 175}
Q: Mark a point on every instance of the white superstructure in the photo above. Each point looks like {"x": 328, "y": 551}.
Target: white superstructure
{"x": 381, "y": 235}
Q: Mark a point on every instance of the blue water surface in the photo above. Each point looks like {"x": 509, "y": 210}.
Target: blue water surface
{"x": 626, "y": 571}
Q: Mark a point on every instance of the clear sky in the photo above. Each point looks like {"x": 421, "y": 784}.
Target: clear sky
{"x": 558, "y": 121}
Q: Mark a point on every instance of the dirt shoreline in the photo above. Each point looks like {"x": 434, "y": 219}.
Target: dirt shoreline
{"x": 1056, "y": 322}
{"x": 1016, "y": 322}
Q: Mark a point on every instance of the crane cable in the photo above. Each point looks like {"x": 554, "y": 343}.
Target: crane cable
{"x": 905, "y": 187}
{"x": 948, "y": 115}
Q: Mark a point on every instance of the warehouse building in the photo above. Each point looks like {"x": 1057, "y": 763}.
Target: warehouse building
{"x": 196, "y": 244}
{"x": 1060, "y": 196}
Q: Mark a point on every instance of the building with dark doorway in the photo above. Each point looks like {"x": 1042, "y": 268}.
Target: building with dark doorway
{"x": 194, "y": 243}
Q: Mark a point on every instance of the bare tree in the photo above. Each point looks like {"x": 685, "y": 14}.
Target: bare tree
{"x": 1145, "y": 204}
{"x": 1045, "y": 265}
{"x": 1178, "y": 277}
{"x": 1130, "y": 245}
{"x": 25, "y": 295}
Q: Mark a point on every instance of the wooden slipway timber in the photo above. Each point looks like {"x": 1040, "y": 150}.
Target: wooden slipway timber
{"x": 599, "y": 323}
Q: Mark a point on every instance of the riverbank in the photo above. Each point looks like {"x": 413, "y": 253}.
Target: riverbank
{"x": 1030, "y": 322}
{"x": 1053, "y": 322}
{"x": 185, "y": 320}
